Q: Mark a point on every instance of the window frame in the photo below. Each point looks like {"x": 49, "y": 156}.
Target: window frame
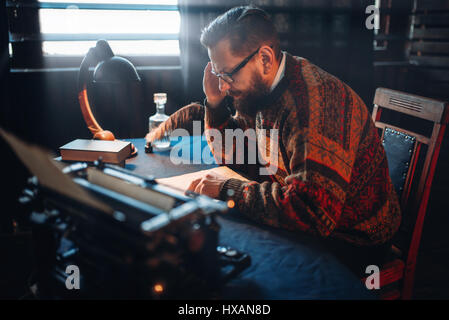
{"x": 26, "y": 39}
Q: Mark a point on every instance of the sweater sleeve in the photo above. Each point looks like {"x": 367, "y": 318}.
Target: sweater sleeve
{"x": 306, "y": 201}
{"x": 183, "y": 119}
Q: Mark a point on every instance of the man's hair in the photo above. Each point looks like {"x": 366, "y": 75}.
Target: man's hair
{"x": 246, "y": 27}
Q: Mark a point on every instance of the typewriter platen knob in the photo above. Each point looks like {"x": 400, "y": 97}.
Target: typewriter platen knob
{"x": 99, "y": 163}
{"x": 119, "y": 216}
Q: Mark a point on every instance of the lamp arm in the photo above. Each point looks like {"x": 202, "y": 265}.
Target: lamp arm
{"x": 92, "y": 124}
{"x": 89, "y": 118}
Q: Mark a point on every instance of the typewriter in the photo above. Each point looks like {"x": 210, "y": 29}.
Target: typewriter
{"x": 149, "y": 241}
{"x": 103, "y": 232}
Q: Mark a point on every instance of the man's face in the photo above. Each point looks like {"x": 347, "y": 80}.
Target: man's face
{"x": 249, "y": 88}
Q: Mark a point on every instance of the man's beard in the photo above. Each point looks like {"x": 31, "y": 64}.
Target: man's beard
{"x": 251, "y": 101}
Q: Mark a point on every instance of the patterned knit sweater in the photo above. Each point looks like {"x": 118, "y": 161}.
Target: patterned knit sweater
{"x": 330, "y": 177}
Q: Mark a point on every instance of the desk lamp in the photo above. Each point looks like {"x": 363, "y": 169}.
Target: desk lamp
{"x": 109, "y": 69}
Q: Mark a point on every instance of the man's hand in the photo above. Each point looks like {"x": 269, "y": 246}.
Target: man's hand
{"x": 208, "y": 185}
{"x": 211, "y": 87}
{"x": 154, "y": 135}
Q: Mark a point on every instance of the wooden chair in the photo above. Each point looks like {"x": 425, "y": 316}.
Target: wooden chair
{"x": 412, "y": 159}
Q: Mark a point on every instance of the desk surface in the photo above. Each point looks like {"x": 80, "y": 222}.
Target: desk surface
{"x": 159, "y": 165}
{"x": 285, "y": 265}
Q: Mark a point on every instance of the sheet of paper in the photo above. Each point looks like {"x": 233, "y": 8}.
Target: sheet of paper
{"x": 49, "y": 174}
{"x": 183, "y": 181}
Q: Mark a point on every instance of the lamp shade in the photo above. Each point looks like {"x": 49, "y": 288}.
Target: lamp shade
{"x": 115, "y": 70}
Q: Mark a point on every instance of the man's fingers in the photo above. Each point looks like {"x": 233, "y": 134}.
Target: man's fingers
{"x": 199, "y": 187}
{"x": 193, "y": 185}
{"x": 149, "y": 137}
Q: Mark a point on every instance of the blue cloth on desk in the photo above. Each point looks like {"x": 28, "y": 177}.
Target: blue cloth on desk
{"x": 286, "y": 265}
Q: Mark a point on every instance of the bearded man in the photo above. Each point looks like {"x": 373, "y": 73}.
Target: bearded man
{"x": 331, "y": 176}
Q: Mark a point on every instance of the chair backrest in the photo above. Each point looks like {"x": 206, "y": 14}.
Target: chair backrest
{"x": 412, "y": 159}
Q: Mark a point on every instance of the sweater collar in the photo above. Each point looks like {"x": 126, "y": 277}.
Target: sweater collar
{"x": 277, "y": 89}
{"x": 279, "y": 74}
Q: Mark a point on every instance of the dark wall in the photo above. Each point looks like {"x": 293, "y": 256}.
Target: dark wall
{"x": 4, "y": 65}
{"x": 5, "y": 219}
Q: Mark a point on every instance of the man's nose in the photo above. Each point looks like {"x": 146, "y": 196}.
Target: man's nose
{"x": 223, "y": 85}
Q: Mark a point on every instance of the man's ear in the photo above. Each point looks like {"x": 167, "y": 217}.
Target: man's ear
{"x": 268, "y": 58}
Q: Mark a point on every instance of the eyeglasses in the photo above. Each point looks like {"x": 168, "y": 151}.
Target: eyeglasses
{"x": 227, "y": 76}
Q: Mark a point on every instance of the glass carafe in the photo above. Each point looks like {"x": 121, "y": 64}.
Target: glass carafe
{"x": 160, "y": 99}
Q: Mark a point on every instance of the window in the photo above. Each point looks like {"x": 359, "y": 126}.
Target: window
{"x": 63, "y": 31}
